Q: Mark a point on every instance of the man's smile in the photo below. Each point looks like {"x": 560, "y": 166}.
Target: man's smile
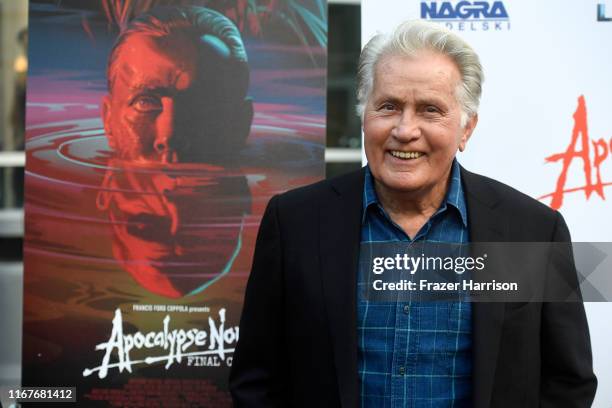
{"x": 406, "y": 155}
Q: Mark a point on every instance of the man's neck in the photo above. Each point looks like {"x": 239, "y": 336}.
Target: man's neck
{"x": 412, "y": 209}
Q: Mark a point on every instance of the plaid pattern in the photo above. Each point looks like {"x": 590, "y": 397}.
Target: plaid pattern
{"x": 415, "y": 354}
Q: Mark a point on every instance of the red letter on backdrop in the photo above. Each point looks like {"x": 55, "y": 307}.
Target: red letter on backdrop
{"x": 580, "y": 128}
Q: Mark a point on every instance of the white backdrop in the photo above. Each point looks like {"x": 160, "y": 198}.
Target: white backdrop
{"x": 538, "y": 63}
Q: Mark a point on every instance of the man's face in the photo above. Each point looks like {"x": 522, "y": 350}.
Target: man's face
{"x": 174, "y": 115}
{"x": 412, "y": 122}
{"x": 172, "y": 100}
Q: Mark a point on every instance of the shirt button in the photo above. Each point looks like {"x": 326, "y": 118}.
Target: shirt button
{"x": 402, "y": 370}
{"x": 407, "y": 309}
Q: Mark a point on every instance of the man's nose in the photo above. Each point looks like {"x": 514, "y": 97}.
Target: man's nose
{"x": 166, "y": 131}
{"x": 407, "y": 127}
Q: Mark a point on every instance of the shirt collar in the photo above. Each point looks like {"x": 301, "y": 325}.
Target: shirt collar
{"x": 454, "y": 195}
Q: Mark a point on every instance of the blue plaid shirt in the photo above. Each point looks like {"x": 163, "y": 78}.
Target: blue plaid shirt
{"x": 415, "y": 354}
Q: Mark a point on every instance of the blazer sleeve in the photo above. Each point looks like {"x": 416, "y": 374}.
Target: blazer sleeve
{"x": 256, "y": 378}
{"x": 567, "y": 378}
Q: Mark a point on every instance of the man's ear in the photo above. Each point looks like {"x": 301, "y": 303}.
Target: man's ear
{"x": 106, "y": 119}
{"x": 467, "y": 131}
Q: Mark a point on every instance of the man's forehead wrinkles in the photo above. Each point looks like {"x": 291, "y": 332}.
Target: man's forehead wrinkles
{"x": 402, "y": 92}
{"x": 137, "y": 82}
{"x": 417, "y": 89}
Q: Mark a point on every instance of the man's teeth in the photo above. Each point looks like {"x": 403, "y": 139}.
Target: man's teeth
{"x": 406, "y": 155}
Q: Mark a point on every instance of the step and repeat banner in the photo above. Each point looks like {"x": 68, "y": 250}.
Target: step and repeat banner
{"x": 156, "y": 133}
{"x": 545, "y": 121}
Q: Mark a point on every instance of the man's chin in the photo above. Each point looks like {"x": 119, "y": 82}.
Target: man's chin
{"x": 401, "y": 181}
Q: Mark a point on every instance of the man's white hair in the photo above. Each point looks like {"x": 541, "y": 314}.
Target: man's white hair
{"x": 408, "y": 39}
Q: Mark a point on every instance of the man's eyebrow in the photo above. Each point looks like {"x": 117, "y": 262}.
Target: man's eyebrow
{"x": 431, "y": 99}
{"x": 388, "y": 98}
{"x": 167, "y": 86}
{"x": 152, "y": 88}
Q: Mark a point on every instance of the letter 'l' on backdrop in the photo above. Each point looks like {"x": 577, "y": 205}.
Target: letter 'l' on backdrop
{"x": 149, "y": 164}
{"x": 544, "y": 126}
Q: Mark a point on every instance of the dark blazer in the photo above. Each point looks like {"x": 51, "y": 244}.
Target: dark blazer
{"x": 298, "y": 333}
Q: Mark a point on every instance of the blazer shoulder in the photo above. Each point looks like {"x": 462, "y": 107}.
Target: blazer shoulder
{"x": 298, "y": 211}
{"x": 320, "y": 190}
{"x": 506, "y": 198}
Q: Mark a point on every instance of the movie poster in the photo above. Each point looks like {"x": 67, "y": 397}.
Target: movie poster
{"x": 157, "y": 131}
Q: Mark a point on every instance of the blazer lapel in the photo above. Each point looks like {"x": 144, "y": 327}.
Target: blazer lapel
{"x": 485, "y": 225}
{"x": 340, "y": 225}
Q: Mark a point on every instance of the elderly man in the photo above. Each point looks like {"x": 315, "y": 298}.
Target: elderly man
{"x": 175, "y": 116}
{"x": 309, "y": 338}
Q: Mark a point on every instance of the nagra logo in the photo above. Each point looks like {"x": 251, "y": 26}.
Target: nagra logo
{"x": 175, "y": 342}
{"x": 468, "y": 15}
{"x": 592, "y": 153}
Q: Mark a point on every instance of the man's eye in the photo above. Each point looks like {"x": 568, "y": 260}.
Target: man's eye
{"x": 147, "y": 104}
{"x": 432, "y": 109}
{"x": 387, "y": 107}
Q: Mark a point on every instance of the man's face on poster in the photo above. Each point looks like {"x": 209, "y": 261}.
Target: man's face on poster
{"x": 173, "y": 118}
{"x": 176, "y": 99}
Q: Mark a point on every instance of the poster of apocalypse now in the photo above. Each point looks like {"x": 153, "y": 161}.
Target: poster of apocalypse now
{"x": 156, "y": 133}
